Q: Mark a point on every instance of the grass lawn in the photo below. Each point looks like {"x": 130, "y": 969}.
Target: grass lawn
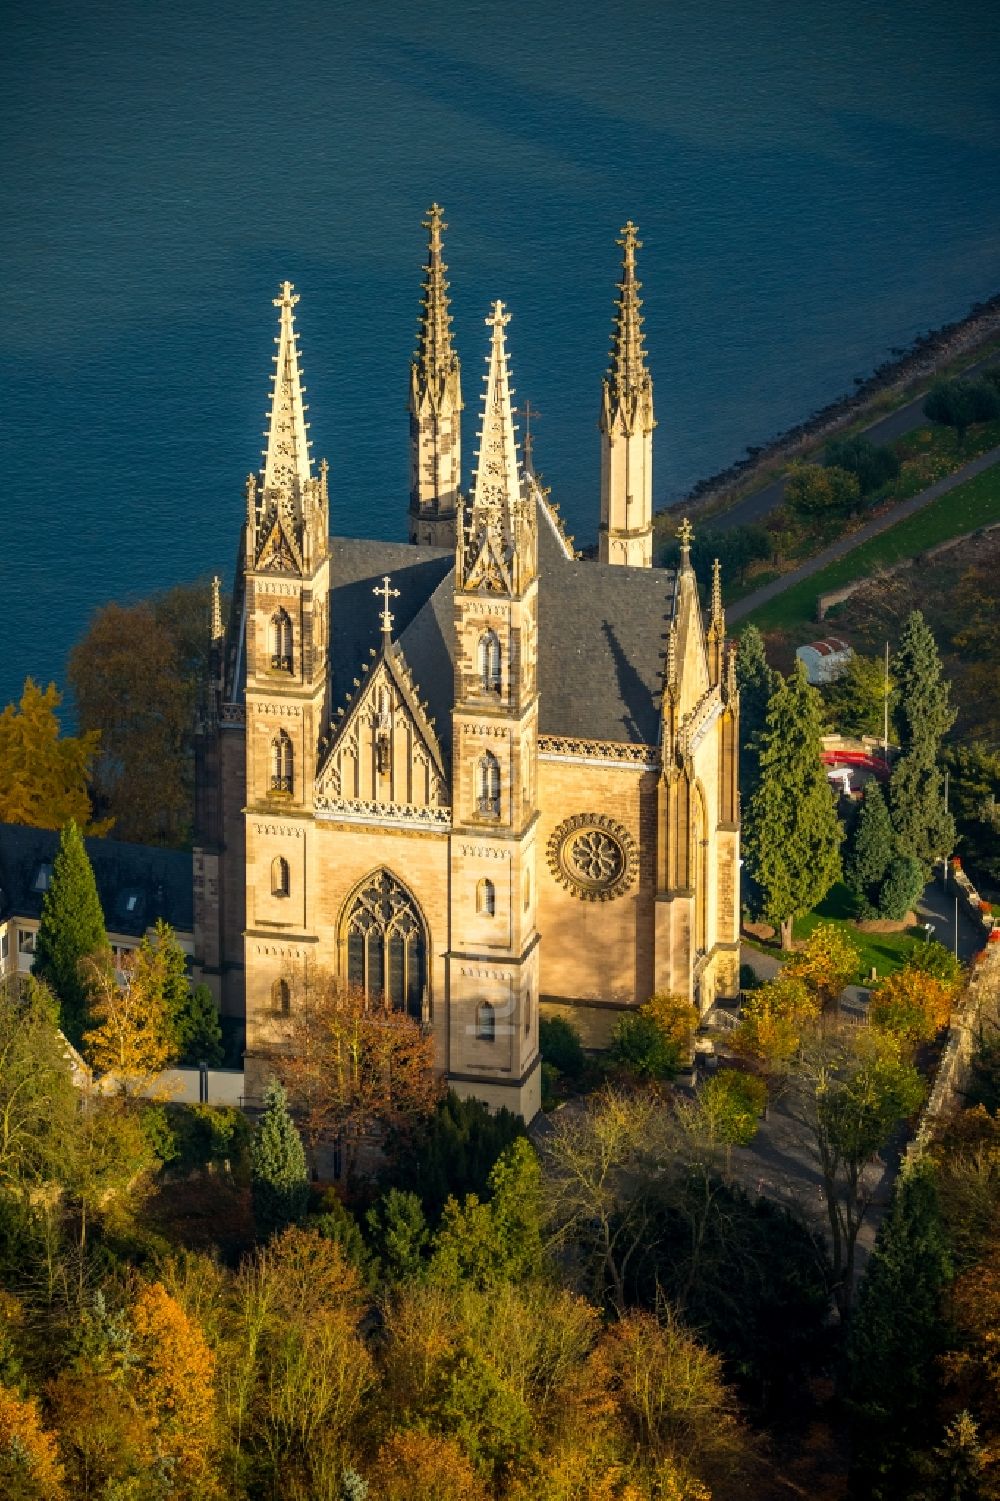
{"x": 965, "y": 509}
{"x": 885, "y": 952}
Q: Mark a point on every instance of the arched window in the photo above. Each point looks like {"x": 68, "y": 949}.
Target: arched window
{"x": 281, "y": 641}
{"x": 281, "y": 997}
{"x": 281, "y": 876}
{"x": 486, "y": 1023}
{"x": 486, "y": 898}
{"x": 489, "y": 661}
{"x": 282, "y": 763}
{"x": 527, "y": 1013}
{"x": 489, "y": 785}
{"x": 386, "y": 944}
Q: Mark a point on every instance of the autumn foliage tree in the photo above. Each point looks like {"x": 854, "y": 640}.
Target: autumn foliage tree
{"x": 173, "y": 1387}
{"x": 130, "y": 1036}
{"x": 44, "y": 777}
{"x": 30, "y": 1467}
{"x": 135, "y": 677}
{"x": 912, "y": 1004}
{"x": 353, "y": 1067}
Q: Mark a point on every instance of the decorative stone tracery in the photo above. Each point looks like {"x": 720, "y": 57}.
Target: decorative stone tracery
{"x": 593, "y": 857}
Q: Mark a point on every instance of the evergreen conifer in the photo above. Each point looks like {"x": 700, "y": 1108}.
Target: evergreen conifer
{"x": 924, "y": 829}
{"x": 71, "y": 929}
{"x": 756, "y": 682}
{"x": 791, "y": 833}
{"x": 870, "y": 849}
{"x": 352, "y": 1487}
{"x": 897, "y": 1330}
{"x": 279, "y": 1176}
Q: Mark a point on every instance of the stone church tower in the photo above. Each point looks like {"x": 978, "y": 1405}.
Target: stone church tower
{"x": 474, "y": 774}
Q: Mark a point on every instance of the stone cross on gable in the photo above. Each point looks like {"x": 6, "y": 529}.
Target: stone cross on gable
{"x": 387, "y": 593}
{"x": 289, "y": 297}
{"x": 685, "y": 535}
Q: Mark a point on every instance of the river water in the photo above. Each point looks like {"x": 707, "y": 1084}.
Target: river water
{"x": 815, "y": 183}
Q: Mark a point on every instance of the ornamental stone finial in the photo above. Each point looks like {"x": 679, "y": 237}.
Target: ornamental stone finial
{"x": 685, "y": 535}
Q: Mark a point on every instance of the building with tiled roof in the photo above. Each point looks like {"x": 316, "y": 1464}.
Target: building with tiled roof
{"x": 477, "y": 775}
{"x": 137, "y": 884}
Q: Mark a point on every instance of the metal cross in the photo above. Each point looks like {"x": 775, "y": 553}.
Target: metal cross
{"x": 387, "y": 594}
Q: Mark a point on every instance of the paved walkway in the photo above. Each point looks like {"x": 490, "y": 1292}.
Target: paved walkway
{"x": 847, "y": 544}
{"x": 884, "y": 430}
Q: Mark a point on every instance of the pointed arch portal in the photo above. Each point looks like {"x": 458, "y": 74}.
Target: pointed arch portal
{"x": 384, "y": 942}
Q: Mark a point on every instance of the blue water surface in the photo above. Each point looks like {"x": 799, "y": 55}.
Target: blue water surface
{"x": 815, "y": 183}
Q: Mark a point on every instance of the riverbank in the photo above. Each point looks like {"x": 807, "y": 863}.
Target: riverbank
{"x": 896, "y": 380}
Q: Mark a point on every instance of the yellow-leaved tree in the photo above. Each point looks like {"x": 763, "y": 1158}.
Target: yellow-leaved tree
{"x": 44, "y": 777}
{"x": 30, "y": 1469}
{"x": 173, "y": 1386}
{"x": 131, "y": 1036}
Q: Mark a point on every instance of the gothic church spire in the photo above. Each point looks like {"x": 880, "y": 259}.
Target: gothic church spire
{"x": 626, "y": 425}
{"x": 435, "y": 404}
{"x": 498, "y": 530}
{"x": 287, "y": 507}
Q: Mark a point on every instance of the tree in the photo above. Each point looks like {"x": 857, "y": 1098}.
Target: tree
{"x": 71, "y": 930}
{"x": 500, "y": 1241}
{"x": 874, "y": 465}
{"x": 902, "y": 884}
{"x": 135, "y": 677}
{"x": 772, "y": 1021}
{"x": 30, "y": 1468}
{"x": 174, "y": 1389}
{"x": 826, "y": 962}
{"x": 599, "y": 1166}
{"x": 894, "y": 1336}
{"x": 130, "y": 1037}
{"x": 413, "y": 1466}
{"x": 924, "y": 829}
{"x": 856, "y": 700}
{"x": 912, "y": 1004}
{"x": 975, "y": 802}
{"x": 103, "y": 1169}
{"x": 960, "y": 403}
{"x": 852, "y": 1087}
{"x": 399, "y": 1230}
{"x": 792, "y": 833}
{"x": 352, "y": 1067}
{"x": 756, "y": 682}
{"x": 732, "y": 1103}
{"x": 37, "y": 1098}
{"x": 44, "y": 777}
{"x": 452, "y": 1151}
{"x": 279, "y": 1175}
{"x": 641, "y": 1047}
{"x": 870, "y": 847}
{"x": 668, "y": 1393}
{"x": 192, "y": 1018}
{"x": 812, "y": 490}
{"x": 923, "y": 711}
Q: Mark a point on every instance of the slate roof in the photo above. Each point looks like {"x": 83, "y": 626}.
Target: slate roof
{"x": 137, "y": 883}
{"x": 602, "y": 634}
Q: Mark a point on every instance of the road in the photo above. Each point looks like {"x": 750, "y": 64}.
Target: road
{"x": 884, "y": 430}
{"x": 847, "y": 544}
{"x": 937, "y": 905}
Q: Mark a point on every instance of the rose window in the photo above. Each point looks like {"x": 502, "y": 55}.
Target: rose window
{"x": 593, "y": 856}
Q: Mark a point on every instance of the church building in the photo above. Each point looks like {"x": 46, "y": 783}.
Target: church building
{"x": 478, "y": 775}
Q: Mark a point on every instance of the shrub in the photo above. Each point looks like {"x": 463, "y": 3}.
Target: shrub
{"x": 912, "y": 1004}
{"x": 812, "y": 490}
{"x": 640, "y": 1045}
{"x": 874, "y": 466}
{"x": 550, "y": 1083}
{"x": 733, "y": 1103}
{"x": 749, "y": 978}
{"x": 560, "y": 1046}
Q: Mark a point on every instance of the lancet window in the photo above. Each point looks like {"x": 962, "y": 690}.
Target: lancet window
{"x": 489, "y": 661}
{"x": 486, "y": 898}
{"x": 281, "y": 641}
{"x": 281, "y": 876}
{"x": 486, "y": 1023}
{"x": 489, "y": 786}
{"x": 281, "y": 997}
{"x": 282, "y": 763}
{"x": 386, "y": 944}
